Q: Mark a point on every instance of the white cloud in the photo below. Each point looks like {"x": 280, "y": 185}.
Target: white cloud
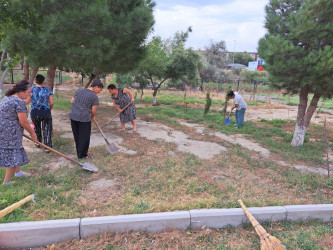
{"x": 239, "y": 20}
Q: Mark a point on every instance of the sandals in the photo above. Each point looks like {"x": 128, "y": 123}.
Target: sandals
{"x": 88, "y": 157}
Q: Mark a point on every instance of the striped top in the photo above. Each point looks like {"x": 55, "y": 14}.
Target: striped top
{"x": 85, "y": 99}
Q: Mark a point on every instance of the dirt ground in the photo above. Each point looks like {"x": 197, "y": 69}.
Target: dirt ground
{"x": 156, "y": 131}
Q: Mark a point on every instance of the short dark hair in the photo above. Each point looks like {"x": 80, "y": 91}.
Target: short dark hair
{"x": 19, "y": 87}
{"x": 97, "y": 83}
{"x": 112, "y": 86}
{"x": 231, "y": 93}
{"x": 40, "y": 79}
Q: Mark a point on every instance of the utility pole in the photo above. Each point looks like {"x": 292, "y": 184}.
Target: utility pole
{"x": 233, "y": 58}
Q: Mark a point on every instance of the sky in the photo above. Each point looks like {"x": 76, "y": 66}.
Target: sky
{"x": 240, "y": 23}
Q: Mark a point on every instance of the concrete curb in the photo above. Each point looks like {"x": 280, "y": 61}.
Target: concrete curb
{"x": 41, "y": 233}
{"x": 38, "y": 233}
{"x": 153, "y": 222}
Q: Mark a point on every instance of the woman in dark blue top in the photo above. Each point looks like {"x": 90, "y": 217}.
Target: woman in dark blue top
{"x": 41, "y": 105}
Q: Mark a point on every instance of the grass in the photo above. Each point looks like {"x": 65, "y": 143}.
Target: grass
{"x": 313, "y": 235}
{"x": 195, "y": 98}
{"x": 272, "y": 136}
{"x": 62, "y": 104}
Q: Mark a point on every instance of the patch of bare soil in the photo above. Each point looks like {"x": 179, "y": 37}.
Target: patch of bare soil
{"x": 96, "y": 140}
{"x": 156, "y": 131}
{"x": 265, "y": 113}
{"x": 250, "y": 145}
{"x": 234, "y": 139}
{"x": 61, "y": 162}
{"x": 261, "y": 112}
{"x": 99, "y": 196}
{"x": 61, "y": 121}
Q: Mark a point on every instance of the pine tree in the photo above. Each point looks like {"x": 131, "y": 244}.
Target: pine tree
{"x": 89, "y": 36}
{"x": 298, "y": 50}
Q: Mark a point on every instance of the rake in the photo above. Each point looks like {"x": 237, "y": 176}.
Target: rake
{"x": 267, "y": 241}
{"x": 115, "y": 115}
{"x": 86, "y": 166}
{"x": 11, "y": 208}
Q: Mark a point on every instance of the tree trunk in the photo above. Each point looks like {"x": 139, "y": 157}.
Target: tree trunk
{"x": 141, "y": 94}
{"x": 304, "y": 115}
{"x": 50, "y": 77}
{"x": 2, "y": 58}
{"x": 3, "y": 76}
{"x": 92, "y": 77}
{"x": 154, "y": 97}
{"x": 25, "y": 70}
{"x": 33, "y": 74}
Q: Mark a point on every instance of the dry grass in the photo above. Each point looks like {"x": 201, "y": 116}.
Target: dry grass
{"x": 294, "y": 235}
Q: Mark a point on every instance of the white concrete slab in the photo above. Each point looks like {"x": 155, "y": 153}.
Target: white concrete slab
{"x": 304, "y": 212}
{"x": 153, "y": 222}
{"x": 38, "y": 233}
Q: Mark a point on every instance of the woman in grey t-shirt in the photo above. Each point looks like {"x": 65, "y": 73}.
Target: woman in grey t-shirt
{"x": 85, "y": 102}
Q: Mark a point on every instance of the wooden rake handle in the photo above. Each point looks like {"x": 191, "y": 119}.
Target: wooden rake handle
{"x": 51, "y": 149}
{"x": 11, "y": 208}
{"x": 116, "y": 115}
{"x": 260, "y": 230}
{"x": 100, "y": 130}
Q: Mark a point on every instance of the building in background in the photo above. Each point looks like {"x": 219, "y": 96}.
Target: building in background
{"x": 257, "y": 64}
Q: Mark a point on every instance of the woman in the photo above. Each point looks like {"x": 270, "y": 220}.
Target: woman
{"x": 41, "y": 105}
{"x": 13, "y": 121}
{"x": 121, "y": 98}
{"x": 240, "y": 106}
{"x": 85, "y": 102}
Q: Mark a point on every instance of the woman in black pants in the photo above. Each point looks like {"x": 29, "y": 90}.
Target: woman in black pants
{"x": 85, "y": 102}
{"x": 41, "y": 105}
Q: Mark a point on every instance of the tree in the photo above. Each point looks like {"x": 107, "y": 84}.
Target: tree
{"x": 212, "y": 63}
{"x": 298, "y": 52}
{"x": 124, "y": 80}
{"x": 243, "y": 58}
{"x": 168, "y": 60}
{"x": 89, "y": 36}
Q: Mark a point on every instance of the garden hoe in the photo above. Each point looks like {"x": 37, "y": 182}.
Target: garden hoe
{"x": 110, "y": 147}
{"x": 86, "y": 166}
{"x": 115, "y": 116}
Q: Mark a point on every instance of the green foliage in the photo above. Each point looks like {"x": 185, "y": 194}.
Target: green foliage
{"x": 213, "y": 61}
{"x": 214, "y": 54}
{"x": 124, "y": 80}
{"x": 84, "y": 35}
{"x": 208, "y": 103}
{"x": 243, "y": 58}
{"x": 298, "y": 47}
{"x": 258, "y": 76}
{"x": 169, "y": 60}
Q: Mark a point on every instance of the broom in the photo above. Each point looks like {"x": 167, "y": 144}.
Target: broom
{"x": 267, "y": 241}
{"x": 9, "y": 209}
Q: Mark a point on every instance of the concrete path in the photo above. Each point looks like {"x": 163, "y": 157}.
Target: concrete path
{"x": 155, "y": 131}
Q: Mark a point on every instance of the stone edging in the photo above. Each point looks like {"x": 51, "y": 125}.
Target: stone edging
{"x": 41, "y": 233}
